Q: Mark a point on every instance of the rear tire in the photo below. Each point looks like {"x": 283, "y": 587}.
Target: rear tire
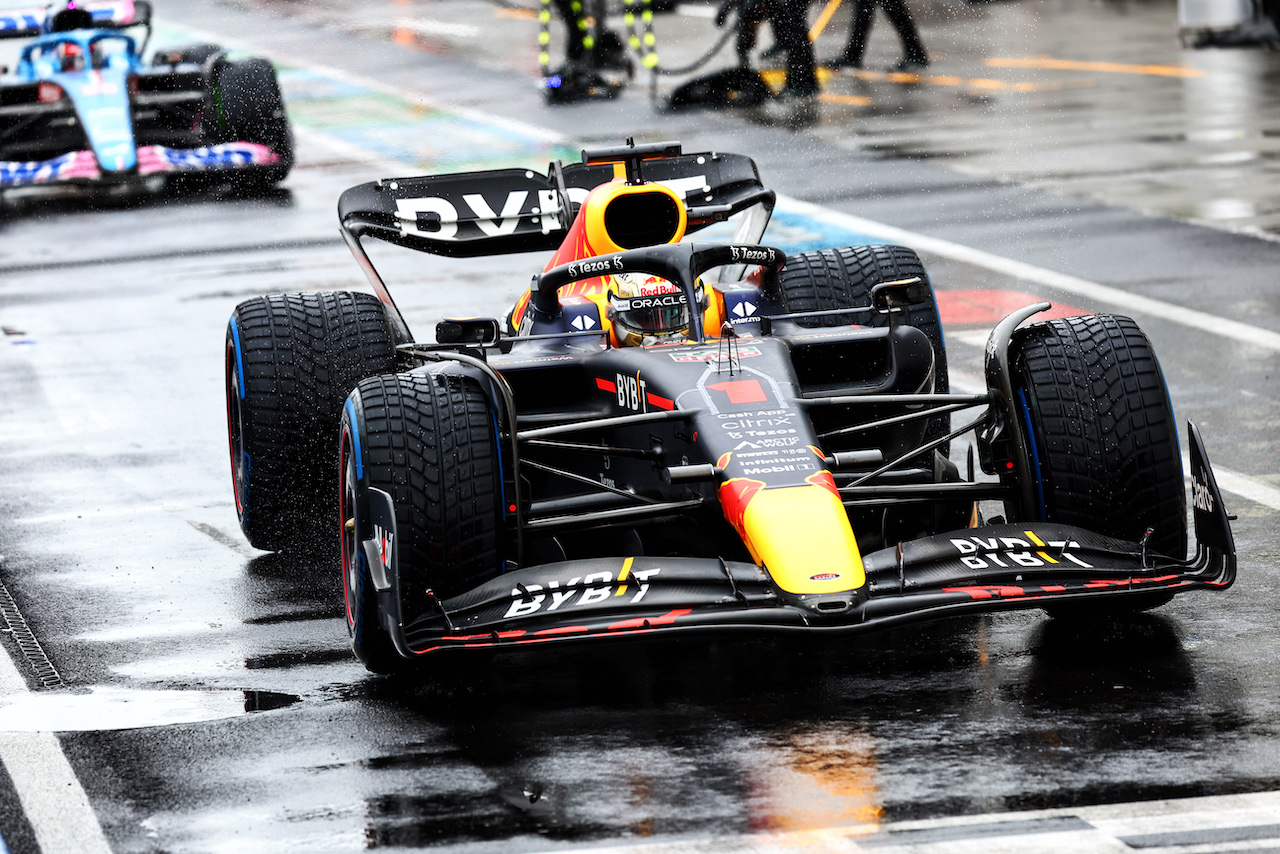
{"x": 843, "y": 278}
{"x": 1104, "y": 440}
{"x": 251, "y": 109}
{"x": 291, "y": 360}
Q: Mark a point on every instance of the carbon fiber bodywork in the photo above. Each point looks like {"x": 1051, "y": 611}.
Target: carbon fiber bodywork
{"x": 709, "y": 449}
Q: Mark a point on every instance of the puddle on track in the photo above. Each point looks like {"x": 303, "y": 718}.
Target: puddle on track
{"x": 114, "y": 708}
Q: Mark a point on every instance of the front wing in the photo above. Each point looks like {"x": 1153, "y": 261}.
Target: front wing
{"x": 82, "y": 166}
{"x": 980, "y": 569}
{"x": 990, "y": 568}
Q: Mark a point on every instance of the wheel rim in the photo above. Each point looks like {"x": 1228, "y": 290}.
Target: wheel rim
{"x": 235, "y": 437}
{"x": 349, "y": 533}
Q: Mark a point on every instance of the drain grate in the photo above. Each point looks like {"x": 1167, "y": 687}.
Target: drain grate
{"x": 26, "y": 640}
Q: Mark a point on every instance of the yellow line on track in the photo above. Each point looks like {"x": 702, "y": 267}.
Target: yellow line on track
{"x": 1048, "y": 63}
{"x": 985, "y": 84}
{"x": 847, "y": 100}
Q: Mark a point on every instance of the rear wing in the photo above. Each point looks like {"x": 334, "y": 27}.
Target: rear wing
{"x": 107, "y": 15}
{"x": 502, "y": 211}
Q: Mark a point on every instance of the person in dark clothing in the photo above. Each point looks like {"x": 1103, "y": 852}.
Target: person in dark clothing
{"x": 791, "y": 31}
{"x": 788, "y": 20}
{"x": 914, "y": 55}
{"x": 599, "y": 49}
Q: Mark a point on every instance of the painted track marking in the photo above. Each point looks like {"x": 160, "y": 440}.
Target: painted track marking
{"x": 1239, "y": 332}
{"x": 55, "y": 803}
{"x": 1044, "y": 62}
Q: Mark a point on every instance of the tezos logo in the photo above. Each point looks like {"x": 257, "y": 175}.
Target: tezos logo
{"x": 595, "y": 265}
{"x": 744, "y": 254}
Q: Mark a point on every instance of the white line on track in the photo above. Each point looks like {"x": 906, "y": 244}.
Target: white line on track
{"x": 52, "y": 798}
{"x": 1242, "y": 485}
{"x": 1212, "y": 323}
{"x": 1217, "y": 823}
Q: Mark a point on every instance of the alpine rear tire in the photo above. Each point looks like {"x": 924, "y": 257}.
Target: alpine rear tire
{"x": 1104, "y": 442}
{"x": 252, "y": 110}
{"x": 291, "y": 360}
{"x": 428, "y": 440}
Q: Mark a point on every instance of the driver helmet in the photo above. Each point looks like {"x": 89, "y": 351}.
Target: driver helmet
{"x": 644, "y": 308}
{"x": 70, "y": 57}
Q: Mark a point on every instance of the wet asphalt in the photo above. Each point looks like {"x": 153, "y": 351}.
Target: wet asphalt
{"x": 121, "y": 548}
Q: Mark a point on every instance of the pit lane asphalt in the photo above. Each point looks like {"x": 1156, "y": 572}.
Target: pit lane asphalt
{"x": 122, "y": 551}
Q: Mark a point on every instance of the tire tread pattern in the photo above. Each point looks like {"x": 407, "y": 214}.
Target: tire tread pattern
{"x": 430, "y": 444}
{"x": 1105, "y": 430}
{"x": 302, "y": 354}
{"x": 843, "y": 278}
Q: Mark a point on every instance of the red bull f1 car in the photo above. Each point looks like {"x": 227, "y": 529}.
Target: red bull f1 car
{"x": 669, "y": 437}
{"x": 82, "y": 108}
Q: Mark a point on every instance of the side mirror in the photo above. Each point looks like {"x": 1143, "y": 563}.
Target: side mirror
{"x": 889, "y": 296}
{"x": 476, "y": 331}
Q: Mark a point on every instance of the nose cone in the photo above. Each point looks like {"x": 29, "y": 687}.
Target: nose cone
{"x": 800, "y": 534}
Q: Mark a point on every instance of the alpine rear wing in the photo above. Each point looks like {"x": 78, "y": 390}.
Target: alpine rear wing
{"x": 107, "y": 15}
{"x": 503, "y": 211}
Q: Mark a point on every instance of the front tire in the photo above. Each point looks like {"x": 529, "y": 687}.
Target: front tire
{"x": 291, "y": 359}
{"x": 429, "y": 440}
{"x": 1104, "y": 442}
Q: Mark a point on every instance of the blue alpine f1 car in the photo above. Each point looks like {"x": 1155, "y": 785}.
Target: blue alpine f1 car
{"x": 82, "y": 107}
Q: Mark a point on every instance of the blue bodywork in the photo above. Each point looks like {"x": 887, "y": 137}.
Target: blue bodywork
{"x": 81, "y": 105}
{"x": 98, "y": 86}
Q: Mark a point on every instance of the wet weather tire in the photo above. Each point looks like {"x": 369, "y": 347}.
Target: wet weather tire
{"x": 1104, "y": 440}
{"x": 291, "y": 361}
{"x": 252, "y": 110}
{"x": 428, "y": 440}
{"x": 843, "y": 278}
{"x": 370, "y": 640}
